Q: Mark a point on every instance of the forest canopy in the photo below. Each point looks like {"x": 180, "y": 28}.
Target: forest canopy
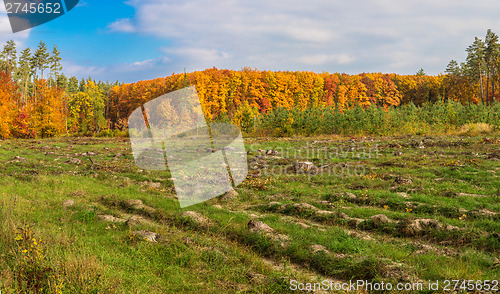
{"x": 38, "y": 100}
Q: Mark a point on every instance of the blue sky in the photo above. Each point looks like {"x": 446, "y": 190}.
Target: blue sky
{"x": 143, "y": 39}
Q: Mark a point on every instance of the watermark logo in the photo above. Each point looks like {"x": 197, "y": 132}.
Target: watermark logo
{"x": 26, "y": 14}
{"x": 171, "y": 132}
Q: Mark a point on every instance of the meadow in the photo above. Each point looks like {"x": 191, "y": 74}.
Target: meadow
{"x": 78, "y": 216}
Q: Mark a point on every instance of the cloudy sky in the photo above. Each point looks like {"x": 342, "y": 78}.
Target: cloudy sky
{"x": 143, "y": 39}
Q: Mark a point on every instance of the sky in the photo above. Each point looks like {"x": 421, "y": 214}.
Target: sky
{"x": 137, "y": 40}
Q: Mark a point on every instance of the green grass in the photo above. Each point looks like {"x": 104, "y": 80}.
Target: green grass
{"x": 454, "y": 180}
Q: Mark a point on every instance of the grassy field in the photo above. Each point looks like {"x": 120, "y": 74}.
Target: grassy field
{"x": 77, "y": 216}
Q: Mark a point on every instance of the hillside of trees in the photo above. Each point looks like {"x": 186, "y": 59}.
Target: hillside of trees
{"x": 38, "y": 100}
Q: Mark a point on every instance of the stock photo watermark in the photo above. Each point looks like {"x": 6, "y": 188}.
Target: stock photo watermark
{"x": 26, "y": 14}
{"x": 171, "y": 133}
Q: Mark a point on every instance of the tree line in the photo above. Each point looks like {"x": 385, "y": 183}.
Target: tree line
{"x": 38, "y": 100}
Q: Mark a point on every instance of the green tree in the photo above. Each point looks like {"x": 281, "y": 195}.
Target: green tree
{"x": 73, "y": 85}
{"x": 40, "y": 59}
{"x": 55, "y": 63}
{"x": 491, "y": 54}
{"x": 24, "y": 73}
{"x": 453, "y": 68}
{"x": 62, "y": 82}
{"x": 9, "y": 56}
{"x": 475, "y": 63}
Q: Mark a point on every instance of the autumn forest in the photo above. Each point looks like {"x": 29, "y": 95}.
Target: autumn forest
{"x": 38, "y": 100}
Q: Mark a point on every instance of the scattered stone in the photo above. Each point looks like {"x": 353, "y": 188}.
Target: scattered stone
{"x": 138, "y": 204}
{"x": 304, "y": 166}
{"x": 152, "y": 185}
{"x": 484, "y": 212}
{"x": 470, "y": 195}
{"x": 324, "y": 212}
{"x": 319, "y": 248}
{"x": 147, "y": 235}
{"x": 418, "y": 226}
{"x": 74, "y": 161}
{"x": 350, "y": 196}
{"x": 50, "y": 153}
{"x": 353, "y": 221}
{"x": 258, "y": 226}
{"x": 402, "y": 181}
{"x": 110, "y": 218}
{"x": 18, "y": 159}
{"x": 403, "y": 194}
{"x": 271, "y": 152}
{"x": 197, "y": 218}
{"x": 229, "y": 195}
{"x": 380, "y": 219}
{"x": 68, "y": 203}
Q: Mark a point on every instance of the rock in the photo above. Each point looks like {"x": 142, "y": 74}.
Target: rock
{"x": 197, "y": 218}
{"x": 18, "y": 159}
{"x": 484, "y": 212}
{"x": 110, "y": 218}
{"x": 304, "y": 166}
{"x": 344, "y": 216}
{"x": 402, "y": 181}
{"x": 319, "y": 248}
{"x": 470, "y": 195}
{"x": 403, "y": 194}
{"x": 229, "y": 195}
{"x": 68, "y": 203}
{"x": 380, "y": 219}
{"x": 300, "y": 206}
{"x": 74, "y": 161}
{"x": 152, "y": 185}
{"x": 147, "y": 235}
{"x": 398, "y": 153}
{"x": 271, "y": 152}
{"x": 138, "y": 204}
{"x": 324, "y": 212}
{"x": 418, "y": 226}
{"x": 350, "y": 196}
{"x": 258, "y": 226}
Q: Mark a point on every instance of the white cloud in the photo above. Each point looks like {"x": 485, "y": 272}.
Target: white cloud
{"x": 321, "y": 35}
{"x": 71, "y": 68}
{"x": 326, "y": 58}
{"x": 122, "y": 25}
{"x": 6, "y": 31}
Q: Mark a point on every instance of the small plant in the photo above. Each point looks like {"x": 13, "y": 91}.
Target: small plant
{"x": 33, "y": 273}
